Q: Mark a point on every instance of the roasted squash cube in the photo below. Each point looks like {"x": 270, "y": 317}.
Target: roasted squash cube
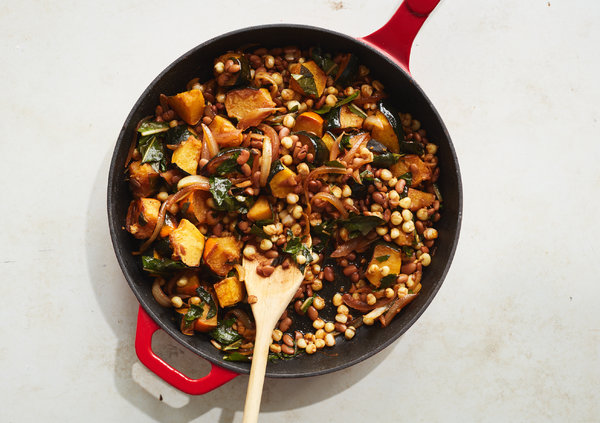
{"x": 143, "y": 179}
{"x": 310, "y": 122}
{"x": 308, "y": 79}
{"x": 187, "y": 155}
{"x": 199, "y": 205}
{"x": 142, "y": 216}
{"x": 187, "y": 243}
{"x": 192, "y": 282}
{"x": 249, "y": 106}
{"x": 225, "y": 133}
{"x": 229, "y": 291}
{"x": 420, "y": 199}
{"x": 189, "y": 105}
{"x": 261, "y": 210}
{"x": 383, "y": 255}
{"x": 385, "y": 134}
{"x": 349, "y": 119}
{"x": 423, "y": 172}
{"x": 279, "y": 183}
{"x": 221, "y": 253}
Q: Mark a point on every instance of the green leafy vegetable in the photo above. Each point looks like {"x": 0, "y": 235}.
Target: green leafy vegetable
{"x": 150, "y": 128}
{"x": 152, "y": 152}
{"x": 161, "y": 266}
{"x": 236, "y": 356}
{"x": 345, "y": 100}
{"x": 411, "y": 147}
{"x": 345, "y": 142}
{"x": 388, "y": 281}
{"x": 194, "y": 312}
{"x": 383, "y": 258}
{"x": 408, "y": 251}
{"x": 357, "y": 111}
{"x": 177, "y": 135}
{"x": 334, "y": 163}
{"x": 306, "y": 81}
{"x": 219, "y": 188}
{"x": 208, "y": 300}
{"x": 407, "y": 177}
{"x": 296, "y": 248}
{"x": 233, "y": 346}
{"x": 324, "y": 61}
{"x": 437, "y": 192}
{"x": 224, "y": 334}
{"x": 307, "y": 303}
{"x": 360, "y": 225}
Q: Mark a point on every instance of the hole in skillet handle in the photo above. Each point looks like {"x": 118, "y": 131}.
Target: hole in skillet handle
{"x": 146, "y": 327}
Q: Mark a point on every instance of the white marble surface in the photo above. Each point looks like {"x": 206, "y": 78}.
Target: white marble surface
{"x": 514, "y": 333}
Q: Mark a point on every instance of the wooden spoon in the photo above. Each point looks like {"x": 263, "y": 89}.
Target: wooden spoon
{"x": 272, "y": 295}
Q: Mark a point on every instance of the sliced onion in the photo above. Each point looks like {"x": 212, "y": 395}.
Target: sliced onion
{"x": 331, "y": 199}
{"x": 192, "y": 179}
{"x": 240, "y": 271}
{"x": 319, "y": 171}
{"x": 257, "y": 116}
{"x": 355, "y": 244}
{"x": 265, "y": 162}
{"x": 335, "y": 148}
{"x": 204, "y": 154}
{"x": 357, "y": 144}
{"x": 395, "y": 308}
{"x": 173, "y": 198}
{"x": 159, "y": 295}
{"x": 375, "y": 313}
{"x": 213, "y": 147}
{"x": 242, "y": 317}
{"x": 275, "y": 142}
{"x": 361, "y": 305}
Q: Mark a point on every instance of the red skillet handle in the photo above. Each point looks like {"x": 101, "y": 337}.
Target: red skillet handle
{"x": 143, "y": 347}
{"x": 397, "y": 35}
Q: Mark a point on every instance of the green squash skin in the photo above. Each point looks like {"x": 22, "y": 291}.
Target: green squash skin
{"x": 349, "y": 73}
{"x": 315, "y": 146}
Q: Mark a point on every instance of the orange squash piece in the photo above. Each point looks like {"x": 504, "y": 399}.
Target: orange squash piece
{"x": 189, "y": 105}
{"x": 187, "y": 242}
{"x": 423, "y": 172}
{"x": 230, "y": 291}
{"x": 310, "y": 70}
{"x": 310, "y": 122}
{"x": 420, "y": 199}
{"x": 142, "y": 216}
{"x": 249, "y": 106}
{"x": 221, "y": 253}
{"x": 225, "y": 133}
{"x": 187, "y": 155}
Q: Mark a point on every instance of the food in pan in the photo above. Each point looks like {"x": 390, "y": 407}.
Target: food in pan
{"x": 280, "y": 144}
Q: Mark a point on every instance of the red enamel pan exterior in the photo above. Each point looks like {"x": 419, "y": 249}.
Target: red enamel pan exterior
{"x": 386, "y": 52}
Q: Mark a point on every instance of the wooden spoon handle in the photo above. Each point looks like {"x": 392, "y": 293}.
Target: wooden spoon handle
{"x": 257, "y": 374}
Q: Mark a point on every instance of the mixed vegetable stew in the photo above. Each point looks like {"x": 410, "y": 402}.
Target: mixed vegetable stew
{"x": 282, "y": 144}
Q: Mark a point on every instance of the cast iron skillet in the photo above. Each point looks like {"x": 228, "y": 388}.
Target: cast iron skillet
{"x": 405, "y": 94}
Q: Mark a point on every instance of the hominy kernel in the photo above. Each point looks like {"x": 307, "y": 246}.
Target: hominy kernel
{"x": 287, "y": 160}
{"x": 386, "y": 175}
{"x": 405, "y": 202}
{"x": 330, "y": 100}
{"x": 392, "y": 182}
{"x": 341, "y": 318}
{"x": 393, "y": 195}
{"x": 431, "y": 148}
{"x": 389, "y": 293}
{"x": 319, "y": 303}
{"x": 318, "y": 323}
{"x": 320, "y": 334}
{"x": 249, "y": 251}
{"x": 300, "y": 260}
{"x": 301, "y": 343}
{"x": 329, "y": 340}
{"x": 287, "y": 142}
{"x": 350, "y": 332}
{"x": 303, "y": 169}
{"x": 195, "y": 300}
{"x": 381, "y": 230}
{"x": 425, "y": 259}
{"x": 394, "y": 233}
{"x": 396, "y": 218}
{"x": 385, "y": 270}
{"x": 182, "y": 281}
{"x": 292, "y": 198}
{"x": 219, "y": 67}
{"x": 346, "y": 191}
{"x": 277, "y": 335}
{"x": 266, "y": 244}
{"x": 289, "y": 121}
{"x": 342, "y": 309}
{"x": 336, "y": 191}
{"x": 430, "y": 233}
{"x": 176, "y": 301}
{"x": 329, "y": 327}
{"x": 269, "y": 61}
{"x": 368, "y": 321}
{"x": 407, "y": 215}
{"x": 337, "y": 299}
{"x": 297, "y": 212}
{"x": 319, "y": 343}
{"x": 275, "y": 348}
{"x": 287, "y": 94}
{"x": 366, "y": 90}
{"x": 373, "y": 269}
{"x": 422, "y": 214}
{"x": 371, "y": 298}
{"x": 311, "y": 348}
{"x": 408, "y": 227}
{"x": 162, "y": 196}
{"x": 317, "y": 285}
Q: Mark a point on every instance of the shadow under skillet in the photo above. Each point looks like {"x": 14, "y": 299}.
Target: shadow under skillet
{"x": 119, "y": 308}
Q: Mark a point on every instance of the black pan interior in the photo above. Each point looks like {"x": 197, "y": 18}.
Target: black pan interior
{"x": 405, "y": 94}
